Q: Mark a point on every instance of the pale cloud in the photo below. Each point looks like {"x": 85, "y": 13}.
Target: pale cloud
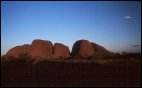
{"x": 127, "y": 17}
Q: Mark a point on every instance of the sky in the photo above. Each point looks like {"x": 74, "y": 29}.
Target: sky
{"x": 115, "y": 25}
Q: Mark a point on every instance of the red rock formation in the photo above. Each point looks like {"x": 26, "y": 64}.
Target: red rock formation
{"x": 16, "y": 51}
{"x": 41, "y": 48}
{"x": 101, "y": 50}
{"x": 60, "y": 50}
{"x": 45, "y": 49}
{"x": 38, "y": 48}
{"x": 26, "y": 49}
{"x": 82, "y": 48}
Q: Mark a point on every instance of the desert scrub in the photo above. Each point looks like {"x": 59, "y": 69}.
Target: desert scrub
{"x": 22, "y": 58}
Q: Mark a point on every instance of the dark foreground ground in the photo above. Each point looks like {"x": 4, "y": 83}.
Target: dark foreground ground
{"x": 49, "y": 73}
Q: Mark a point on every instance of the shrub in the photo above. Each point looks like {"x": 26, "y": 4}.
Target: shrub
{"x": 22, "y": 58}
{"x": 24, "y": 55}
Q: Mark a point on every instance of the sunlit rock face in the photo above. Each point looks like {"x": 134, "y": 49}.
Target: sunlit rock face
{"x": 41, "y": 48}
{"x": 60, "y": 51}
{"x": 45, "y": 49}
{"x": 16, "y": 51}
{"x": 38, "y": 48}
{"x": 82, "y": 48}
{"x": 100, "y": 50}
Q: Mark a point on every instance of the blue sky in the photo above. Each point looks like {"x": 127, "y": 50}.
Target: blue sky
{"x": 113, "y": 24}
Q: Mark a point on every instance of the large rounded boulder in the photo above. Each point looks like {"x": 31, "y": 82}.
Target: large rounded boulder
{"x": 82, "y": 48}
{"x": 60, "y": 51}
{"x": 41, "y": 48}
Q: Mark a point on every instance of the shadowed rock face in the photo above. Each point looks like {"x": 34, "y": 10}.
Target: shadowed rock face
{"x": 100, "y": 49}
{"x": 41, "y": 48}
{"x": 82, "y": 48}
{"x": 60, "y": 50}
